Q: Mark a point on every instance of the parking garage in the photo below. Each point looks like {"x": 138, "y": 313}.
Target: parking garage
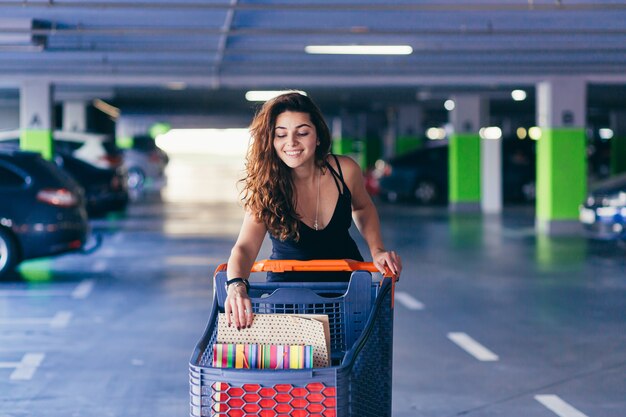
{"x": 511, "y": 301}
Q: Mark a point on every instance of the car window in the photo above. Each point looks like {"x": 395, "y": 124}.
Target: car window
{"x": 9, "y": 178}
{"x": 10, "y": 144}
{"x": 66, "y": 146}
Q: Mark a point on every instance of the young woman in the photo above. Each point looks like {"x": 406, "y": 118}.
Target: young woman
{"x": 305, "y": 197}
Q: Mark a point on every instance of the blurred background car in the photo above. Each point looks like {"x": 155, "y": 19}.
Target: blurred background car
{"x": 421, "y": 176}
{"x": 42, "y": 210}
{"x": 106, "y": 189}
{"x": 145, "y": 163}
{"x": 97, "y": 149}
{"x": 603, "y": 214}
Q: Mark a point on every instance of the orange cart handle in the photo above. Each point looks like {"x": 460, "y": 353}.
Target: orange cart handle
{"x": 318, "y": 265}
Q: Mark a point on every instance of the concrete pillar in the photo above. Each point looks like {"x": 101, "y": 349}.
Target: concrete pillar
{"x": 9, "y": 114}
{"x": 349, "y": 135}
{"x": 74, "y": 116}
{"x": 410, "y": 128}
{"x": 471, "y": 112}
{"x": 342, "y": 131}
{"x": 618, "y": 142}
{"x": 36, "y": 117}
{"x": 561, "y": 154}
{"x": 491, "y": 175}
{"x": 391, "y": 133}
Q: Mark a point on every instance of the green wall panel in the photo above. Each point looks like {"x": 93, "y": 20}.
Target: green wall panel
{"x": 618, "y": 155}
{"x": 342, "y": 146}
{"x": 406, "y": 144}
{"x": 464, "y": 168}
{"x": 561, "y": 173}
{"x": 373, "y": 151}
{"x": 37, "y": 141}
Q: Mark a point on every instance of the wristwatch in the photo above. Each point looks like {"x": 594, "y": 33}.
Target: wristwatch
{"x": 237, "y": 282}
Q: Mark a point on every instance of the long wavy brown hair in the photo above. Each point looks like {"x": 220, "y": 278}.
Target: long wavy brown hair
{"x": 268, "y": 191}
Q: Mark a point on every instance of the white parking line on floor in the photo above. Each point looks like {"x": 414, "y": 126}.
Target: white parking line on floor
{"x": 186, "y": 260}
{"x": 99, "y": 266}
{"x": 408, "y": 301}
{"x": 471, "y": 346}
{"x": 191, "y": 260}
{"x": 558, "y": 406}
{"x": 60, "y": 320}
{"x": 33, "y": 293}
{"x": 83, "y": 289}
{"x": 25, "y": 369}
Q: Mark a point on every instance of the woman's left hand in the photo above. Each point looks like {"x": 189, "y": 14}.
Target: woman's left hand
{"x": 388, "y": 259}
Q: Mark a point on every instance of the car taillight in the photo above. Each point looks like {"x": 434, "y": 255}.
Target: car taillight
{"x": 60, "y": 197}
{"x": 113, "y": 161}
{"x": 155, "y": 156}
{"x": 116, "y": 184}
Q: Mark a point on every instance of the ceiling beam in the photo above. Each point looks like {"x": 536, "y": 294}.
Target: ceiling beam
{"x": 326, "y": 6}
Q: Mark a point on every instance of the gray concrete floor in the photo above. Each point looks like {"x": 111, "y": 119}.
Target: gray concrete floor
{"x": 111, "y": 333}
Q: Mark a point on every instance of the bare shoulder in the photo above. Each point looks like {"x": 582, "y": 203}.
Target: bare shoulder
{"x": 348, "y": 165}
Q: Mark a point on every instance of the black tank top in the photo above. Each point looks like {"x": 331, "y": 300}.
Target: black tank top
{"x": 332, "y": 242}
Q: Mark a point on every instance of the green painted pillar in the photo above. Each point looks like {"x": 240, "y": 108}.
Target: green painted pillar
{"x": 124, "y": 141}
{"x": 561, "y": 173}
{"x": 618, "y": 142}
{"x": 409, "y": 127}
{"x": 561, "y": 155}
{"x": 464, "y": 171}
{"x": 343, "y": 146}
{"x": 464, "y": 174}
{"x": 36, "y": 118}
{"x": 405, "y": 144}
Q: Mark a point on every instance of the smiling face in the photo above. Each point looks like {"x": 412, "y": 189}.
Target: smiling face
{"x": 295, "y": 139}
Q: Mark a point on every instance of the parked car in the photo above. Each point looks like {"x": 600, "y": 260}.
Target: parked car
{"x": 422, "y": 175}
{"x": 145, "y": 163}
{"x": 603, "y": 214}
{"x": 105, "y": 188}
{"x": 97, "y": 149}
{"x": 42, "y": 210}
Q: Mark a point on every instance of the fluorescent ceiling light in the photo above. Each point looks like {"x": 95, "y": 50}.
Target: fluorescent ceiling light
{"x": 359, "y": 49}
{"x": 106, "y": 108}
{"x": 17, "y": 33}
{"x": 176, "y": 85}
{"x": 518, "y": 95}
{"x": 606, "y": 133}
{"x": 490, "y": 132}
{"x": 264, "y": 95}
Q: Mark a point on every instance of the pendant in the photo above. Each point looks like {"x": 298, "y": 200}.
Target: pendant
{"x": 315, "y": 225}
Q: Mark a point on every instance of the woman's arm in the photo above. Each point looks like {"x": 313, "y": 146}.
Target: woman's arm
{"x": 366, "y": 218}
{"x": 241, "y": 259}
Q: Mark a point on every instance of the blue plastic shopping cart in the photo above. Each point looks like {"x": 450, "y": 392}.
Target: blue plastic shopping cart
{"x": 358, "y": 382}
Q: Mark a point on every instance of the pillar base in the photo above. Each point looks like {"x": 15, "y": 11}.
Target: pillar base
{"x": 464, "y": 207}
{"x": 558, "y": 227}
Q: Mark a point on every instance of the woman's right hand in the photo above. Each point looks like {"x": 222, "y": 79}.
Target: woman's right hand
{"x": 238, "y": 307}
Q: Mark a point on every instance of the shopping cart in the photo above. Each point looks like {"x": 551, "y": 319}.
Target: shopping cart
{"x": 358, "y": 382}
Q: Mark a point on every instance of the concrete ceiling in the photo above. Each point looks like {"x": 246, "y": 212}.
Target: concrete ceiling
{"x": 129, "y": 52}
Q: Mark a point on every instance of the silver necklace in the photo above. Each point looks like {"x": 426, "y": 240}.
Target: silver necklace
{"x": 317, "y": 206}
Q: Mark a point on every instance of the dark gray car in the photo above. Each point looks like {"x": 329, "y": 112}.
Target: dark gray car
{"x": 42, "y": 210}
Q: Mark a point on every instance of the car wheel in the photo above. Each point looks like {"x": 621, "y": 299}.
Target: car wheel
{"x": 136, "y": 179}
{"x": 391, "y": 196}
{"x": 8, "y": 252}
{"x": 425, "y": 192}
